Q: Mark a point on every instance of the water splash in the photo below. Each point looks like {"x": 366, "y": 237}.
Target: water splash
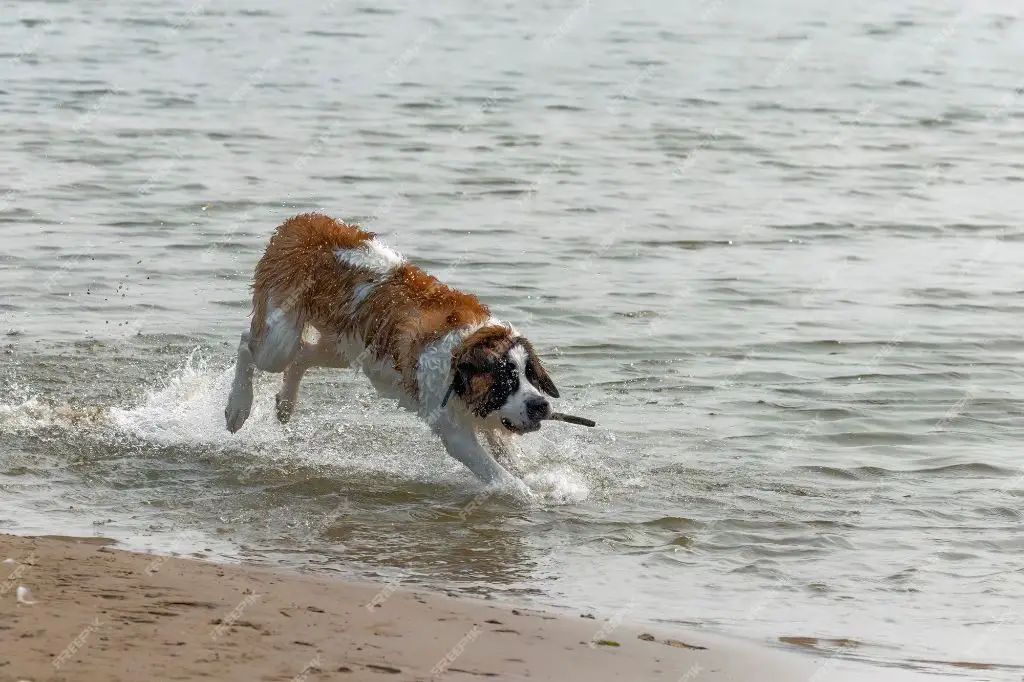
{"x": 33, "y": 414}
{"x": 188, "y": 409}
{"x": 351, "y": 433}
{"x": 558, "y": 485}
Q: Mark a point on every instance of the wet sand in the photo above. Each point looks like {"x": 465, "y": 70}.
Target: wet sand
{"x": 102, "y": 614}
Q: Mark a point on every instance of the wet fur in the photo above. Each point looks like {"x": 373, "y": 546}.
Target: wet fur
{"x": 330, "y": 294}
{"x": 405, "y": 310}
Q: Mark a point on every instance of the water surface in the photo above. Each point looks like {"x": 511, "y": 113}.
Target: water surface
{"x": 773, "y": 247}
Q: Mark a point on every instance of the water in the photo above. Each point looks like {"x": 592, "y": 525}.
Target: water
{"x": 773, "y": 247}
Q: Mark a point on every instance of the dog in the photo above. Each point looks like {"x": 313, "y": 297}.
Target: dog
{"x": 329, "y": 294}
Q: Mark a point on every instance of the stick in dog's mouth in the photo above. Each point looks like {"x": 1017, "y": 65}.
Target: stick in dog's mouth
{"x": 569, "y": 419}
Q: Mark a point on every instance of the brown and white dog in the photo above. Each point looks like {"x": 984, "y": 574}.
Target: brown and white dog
{"x": 327, "y": 294}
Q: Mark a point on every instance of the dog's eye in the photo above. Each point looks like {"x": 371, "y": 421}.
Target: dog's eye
{"x": 505, "y": 379}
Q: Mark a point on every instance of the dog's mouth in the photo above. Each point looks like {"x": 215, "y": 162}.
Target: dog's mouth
{"x": 528, "y": 428}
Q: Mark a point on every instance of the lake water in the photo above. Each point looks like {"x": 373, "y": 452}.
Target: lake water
{"x": 772, "y": 246}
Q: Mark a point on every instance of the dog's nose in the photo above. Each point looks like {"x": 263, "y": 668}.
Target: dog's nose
{"x": 537, "y": 409}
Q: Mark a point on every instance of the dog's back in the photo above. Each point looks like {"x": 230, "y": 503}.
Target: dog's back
{"x": 341, "y": 280}
{"x": 300, "y": 273}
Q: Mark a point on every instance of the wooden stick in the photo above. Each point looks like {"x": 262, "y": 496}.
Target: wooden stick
{"x": 569, "y": 419}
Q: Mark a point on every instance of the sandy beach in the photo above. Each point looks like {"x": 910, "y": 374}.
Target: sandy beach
{"x": 93, "y": 612}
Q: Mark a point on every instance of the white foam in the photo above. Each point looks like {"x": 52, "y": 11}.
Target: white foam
{"x": 558, "y": 485}
{"x": 31, "y": 414}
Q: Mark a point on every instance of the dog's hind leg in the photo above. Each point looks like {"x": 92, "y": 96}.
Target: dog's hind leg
{"x": 240, "y": 400}
{"x": 313, "y": 352}
{"x": 275, "y": 343}
{"x": 270, "y": 345}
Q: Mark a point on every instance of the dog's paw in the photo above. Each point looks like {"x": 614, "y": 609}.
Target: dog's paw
{"x": 235, "y": 418}
{"x": 284, "y": 409}
{"x": 515, "y": 488}
{"x": 237, "y": 410}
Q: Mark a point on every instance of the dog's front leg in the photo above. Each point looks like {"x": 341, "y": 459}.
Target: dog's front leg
{"x": 463, "y": 445}
{"x": 502, "y": 451}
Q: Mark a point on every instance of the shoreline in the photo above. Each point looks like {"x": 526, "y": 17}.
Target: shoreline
{"x": 99, "y": 611}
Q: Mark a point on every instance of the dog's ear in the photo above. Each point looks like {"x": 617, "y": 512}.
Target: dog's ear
{"x": 536, "y": 373}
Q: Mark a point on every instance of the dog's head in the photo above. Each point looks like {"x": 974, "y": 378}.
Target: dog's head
{"x": 500, "y": 378}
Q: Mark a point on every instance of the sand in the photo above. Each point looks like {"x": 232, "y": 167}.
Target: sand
{"x": 101, "y": 614}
